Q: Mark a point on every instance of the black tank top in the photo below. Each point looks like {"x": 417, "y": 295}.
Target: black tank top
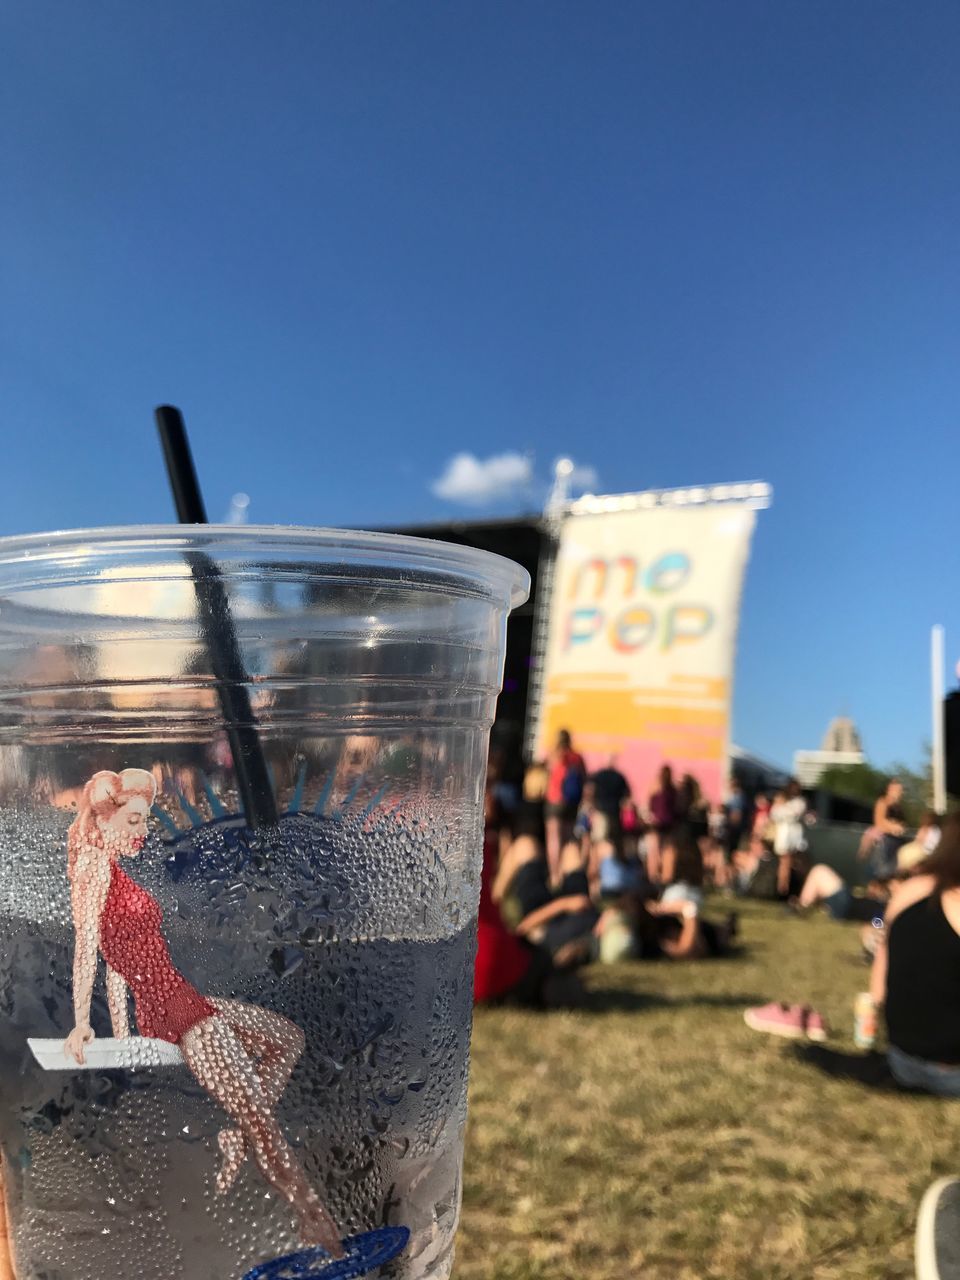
{"x": 529, "y": 887}
{"x": 689, "y": 864}
{"x": 923, "y": 983}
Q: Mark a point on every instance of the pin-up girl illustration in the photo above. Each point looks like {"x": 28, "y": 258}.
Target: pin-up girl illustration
{"x": 242, "y": 1055}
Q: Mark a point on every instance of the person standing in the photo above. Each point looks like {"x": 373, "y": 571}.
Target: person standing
{"x": 692, "y": 809}
{"x": 609, "y": 791}
{"x": 663, "y": 821}
{"x": 564, "y": 793}
{"x": 761, "y": 824}
{"x": 787, "y": 814}
{"x": 737, "y": 814}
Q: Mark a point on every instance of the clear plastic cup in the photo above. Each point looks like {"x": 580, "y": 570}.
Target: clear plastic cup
{"x": 273, "y": 1021}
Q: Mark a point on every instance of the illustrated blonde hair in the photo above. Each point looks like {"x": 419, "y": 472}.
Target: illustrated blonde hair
{"x": 103, "y": 795}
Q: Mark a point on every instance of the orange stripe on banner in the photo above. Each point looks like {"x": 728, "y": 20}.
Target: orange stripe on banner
{"x": 675, "y": 695}
{"x": 610, "y": 712}
{"x": 660, "y": 716}
{"x": 573, "y": 679}
{"x": 691, "y": 749}
{"x": 665, "y": 706}
{"x": 707, "y": 747}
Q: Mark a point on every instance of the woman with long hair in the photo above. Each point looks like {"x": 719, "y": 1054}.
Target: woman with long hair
{"x": 663, "y": 808}
{"x": 787, "y": 813}
{"x": 889, "y": 830}
{"x": 241, "y": 1054}
{"x": 916, "y": 971}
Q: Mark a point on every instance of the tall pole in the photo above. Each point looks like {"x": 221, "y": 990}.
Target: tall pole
{"x": 936, "y": 706}
{"x": 550, "y": 525}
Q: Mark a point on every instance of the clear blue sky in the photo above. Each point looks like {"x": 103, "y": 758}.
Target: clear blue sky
{"x": 682, "y": 241}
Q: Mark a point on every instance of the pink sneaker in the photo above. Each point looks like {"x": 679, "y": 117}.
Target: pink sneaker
{"x": 778, "y": 1020}
{"x": 794, "y": 1021}
{"x": 815, "y": 1026}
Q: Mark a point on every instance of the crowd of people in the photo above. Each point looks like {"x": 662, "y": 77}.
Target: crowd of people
{"x": 912, "y": 912}
{"x": 904, "y": 868}
{"x": 578, "y": 869}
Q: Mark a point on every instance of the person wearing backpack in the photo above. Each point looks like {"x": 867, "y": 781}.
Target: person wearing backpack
{"x": 564, "y": 793}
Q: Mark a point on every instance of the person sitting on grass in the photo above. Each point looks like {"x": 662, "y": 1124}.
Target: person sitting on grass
{"x": 633, "y": 922}
{"x": 755, "y": 870}
{"x": 509, "y": 969}
{"x": 889, "y": 831}
{"x": 916, "y": 971}
{"x": 675, "y": 930}
{"x": 824, "y": 887}
{"x": 611, "y": 873}
{"x": 505, "y": 967}
{"x": 682, "y": 870}
{"x": 618, "y": 887}
{"x": 561, "y": 921}
{"x": 717, "y": 868}
{"x": 917, "y": 850}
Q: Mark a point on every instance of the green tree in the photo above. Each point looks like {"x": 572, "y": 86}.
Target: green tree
{"x": 864, "y": 782}
{"x": 853, "y": 781}
{"x": 917, "y": 786}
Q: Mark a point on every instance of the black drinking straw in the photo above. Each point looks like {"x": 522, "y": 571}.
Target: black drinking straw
{"x": 217, "y": 629}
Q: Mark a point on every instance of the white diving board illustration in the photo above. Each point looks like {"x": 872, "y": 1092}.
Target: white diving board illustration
{"x": 132, "y": 1054}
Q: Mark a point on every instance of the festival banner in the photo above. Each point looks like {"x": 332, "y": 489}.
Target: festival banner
{"x": 642, "y": 636}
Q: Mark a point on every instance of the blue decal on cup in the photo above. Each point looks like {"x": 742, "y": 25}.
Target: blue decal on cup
{"x": 362, "y": 1254}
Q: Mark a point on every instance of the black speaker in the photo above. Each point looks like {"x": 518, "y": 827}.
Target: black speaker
{"x": 951, "y": 733}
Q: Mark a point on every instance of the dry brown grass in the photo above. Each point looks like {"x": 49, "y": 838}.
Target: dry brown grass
{"x": 653, "y": 1135}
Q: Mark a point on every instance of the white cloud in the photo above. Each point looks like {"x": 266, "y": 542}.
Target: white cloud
{"x": 584, "y": 479}
{"x": 239, "y": 510}
{"x": 476, "y": 481}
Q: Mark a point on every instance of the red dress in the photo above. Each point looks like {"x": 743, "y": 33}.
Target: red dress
{"x": 167, "y": 1006}
{"x": 502, "y": 959}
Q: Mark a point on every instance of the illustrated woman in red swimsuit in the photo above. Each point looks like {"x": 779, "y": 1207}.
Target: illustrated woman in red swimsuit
{"x": 242, "y": 1055}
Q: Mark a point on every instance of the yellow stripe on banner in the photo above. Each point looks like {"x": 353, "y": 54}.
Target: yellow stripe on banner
{"x": 576, "y": 680}
{"x": 711, "y": 686}
{"x": 610, "y": 711}
{"x": 667, "y": 702}
{"x": 707, "y": 745}
{"x": 677, "y": 695}
{"x": 646, "y": 713}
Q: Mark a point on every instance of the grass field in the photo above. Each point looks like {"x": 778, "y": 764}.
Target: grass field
{"x": 653, "y": 1135}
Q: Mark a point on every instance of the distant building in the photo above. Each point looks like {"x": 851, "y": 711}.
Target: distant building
{"x": 841, "y": 746}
